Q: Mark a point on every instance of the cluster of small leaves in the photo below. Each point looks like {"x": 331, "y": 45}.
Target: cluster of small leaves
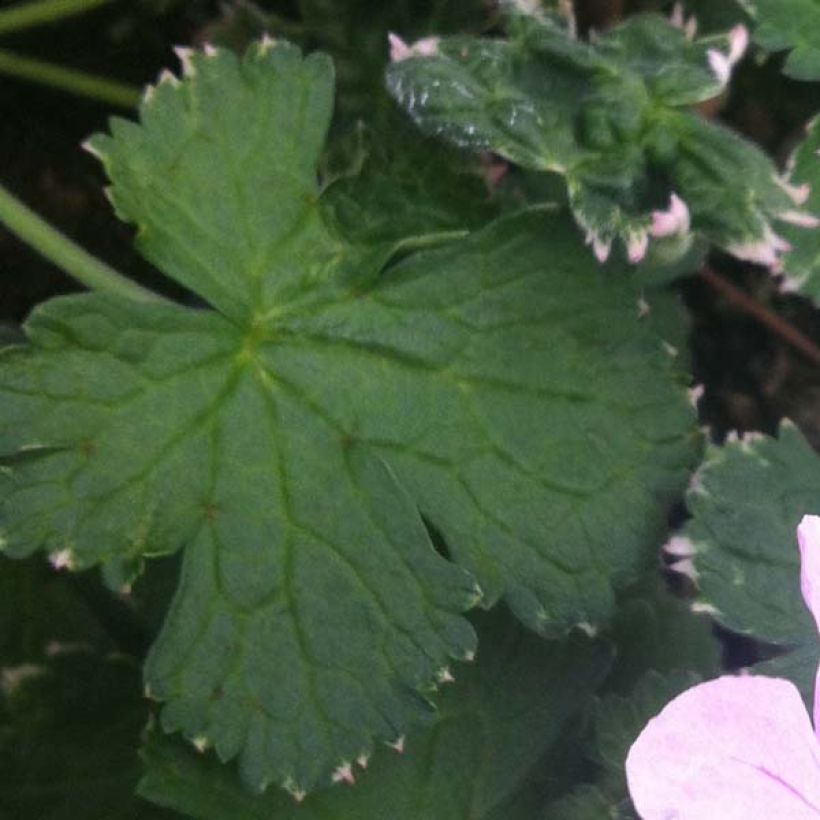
{"x": 612, "y": 117}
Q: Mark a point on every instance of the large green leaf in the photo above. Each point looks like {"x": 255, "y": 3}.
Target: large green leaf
{"x": 292, "y": 437}
{"x": 69, "y": 730}
{"x": 612, "y": 119}
{"x": 494, "y": 724}
{"x": 792, "y": 25}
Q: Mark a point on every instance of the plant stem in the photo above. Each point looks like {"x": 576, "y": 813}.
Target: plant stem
{"x": 77, "y": 82}
{"x": 788, "y": 333}
{"x": 67, "y": 255}
{"x": 38, "y": 12}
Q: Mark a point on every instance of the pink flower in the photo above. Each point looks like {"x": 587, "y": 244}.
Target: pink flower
{"x": 735, "y": 748}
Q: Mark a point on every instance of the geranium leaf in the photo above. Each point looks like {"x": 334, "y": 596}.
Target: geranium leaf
{"x": 292, "y": 438}
{"x": 494, "y": 724}
{"x": 612, "y": 119}
{"x": 740, "y": 539}
{"x": 792, "y": 25}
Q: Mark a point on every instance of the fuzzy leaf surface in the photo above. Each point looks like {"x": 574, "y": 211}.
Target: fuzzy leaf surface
{"x": 494, "y": 723}
{"x": 792, "y": 25}
{"x": 291, "y": 436}
{"x": 611, "y": 118}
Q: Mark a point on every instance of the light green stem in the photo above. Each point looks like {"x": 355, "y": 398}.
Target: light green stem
{"x": 37, "y": 12}
{"x": 108, "y": 91}
{"x": 59, "y": 249}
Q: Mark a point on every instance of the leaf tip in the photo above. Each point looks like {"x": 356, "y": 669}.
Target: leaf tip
{"x": 167, "y": 77}
{"x": 444, "y": 675}
{"x": 802, "y": 219}
{"x": 200, "y": 743}
{"x": 185, "y": 57}
{"x": 703, "y": 608}
{"x": 344, "y": 774}
{"x": 363, "y": 759}
{"x": 636, "y": 246}
{"x": 695, "y": 394}
{"x": 398, "y": 744}
{"x": 644, "y": 308}
{"x": 590, "y": 630}
{"x": 294, "y": 789}
{"x": 62, "y": 559}
{"x": 90, "y": 148}
{"x": 266, "y": 44}
{"x": 674, "y": 221}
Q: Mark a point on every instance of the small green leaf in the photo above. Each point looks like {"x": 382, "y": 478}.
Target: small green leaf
{"x": 291, "y": 438}
{"x": 802, "y": 264}
{"x": 494, "y": 724}
{"x": 792, "y": 25}
{"x": 611, "y": 119}
{"x": 69, "y": 730}
{"x": 746, "y": 501}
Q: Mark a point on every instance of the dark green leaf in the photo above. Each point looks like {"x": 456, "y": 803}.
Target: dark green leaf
{"x": 494, "y": 724}
{"x": 291, "y": 439}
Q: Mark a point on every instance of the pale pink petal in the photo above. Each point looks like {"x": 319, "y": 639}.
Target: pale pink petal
{"x": 808, "y": 537}
{"x": 735, "y": 748}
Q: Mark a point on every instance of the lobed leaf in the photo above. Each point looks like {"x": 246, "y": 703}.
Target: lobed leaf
{"x": 494, "y": 724}
{"x": 611, "y": 118}
{"x": 291, "y": 436}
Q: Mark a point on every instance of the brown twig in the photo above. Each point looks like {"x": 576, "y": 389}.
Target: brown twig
{"x": 740, "y": 299}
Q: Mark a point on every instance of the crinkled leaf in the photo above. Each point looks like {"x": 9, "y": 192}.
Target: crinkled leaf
{"x": 495, "y": 722}
{"x": 792, "y": 25}
{"x": 291, "y": 438}
{"x": 69, "y": 731}
{"x": 746, "y": 501}
{"x": 610, "y": 118}
{"x": 802, "y": 263}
